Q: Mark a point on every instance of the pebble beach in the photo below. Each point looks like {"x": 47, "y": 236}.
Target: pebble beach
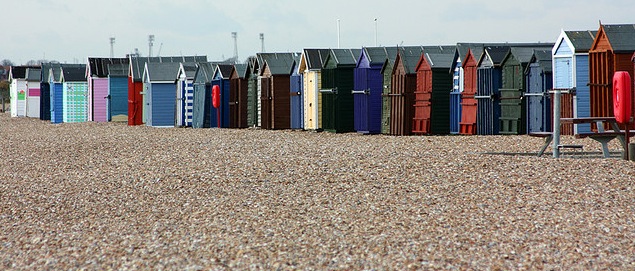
{"x": 101, "y": 196}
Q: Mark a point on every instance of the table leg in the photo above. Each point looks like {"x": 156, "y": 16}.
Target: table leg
{"x": 604, "y": 140}
{"x": 548, "y": 140}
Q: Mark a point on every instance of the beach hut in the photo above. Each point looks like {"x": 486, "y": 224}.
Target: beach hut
{"x": 311, "y": 62}
{"x": 74, "y": 94}
{"x": 160, "y": 83}
{"x": 185, "y": 94}
{"x": 221, "y": 79}
{"x": 368, "y": 88}
{"x": 513, "y": 118}
{"x": 489, "y": 83}
{"x": 33, "y": 78}
{"x": 201, "y": 110}
{"x": 238, "y": 95}
{"x": 467, "y": 125}
{"x": 539, "y": 82}
{"x": 57, "y": 95}
{"x": 338, "y": 80}
{"x": 137, "y": 104}
{"x": 296, "y": 96}
{"x": 253, "y": 98}
{"x": 570, "y": 62}
{"x": 463, "y": 57}
{"x": 432, "y": 97}
{"x": 403, "y": 88}
{"x": 118, "y": 91}
{"x": 18, "y": 90}
{"x": 275, "y": 82}
{"x": 387, "y": 73}
{"x": 45, "y": 92}
{"x": 98, "y": 87}
{"x": 611, "y": 51}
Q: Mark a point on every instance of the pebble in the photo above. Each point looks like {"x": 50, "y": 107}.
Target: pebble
{"x": 111, "y": 196}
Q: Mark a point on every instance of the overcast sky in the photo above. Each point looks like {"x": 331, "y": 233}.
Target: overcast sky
{"x": 71, "y": 30}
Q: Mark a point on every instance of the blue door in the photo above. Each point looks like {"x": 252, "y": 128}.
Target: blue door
{"x": 360, "y": 100}
{"x": 297, "y": 105}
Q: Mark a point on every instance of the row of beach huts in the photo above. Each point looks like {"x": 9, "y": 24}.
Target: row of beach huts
{"x": 467, "y": 88}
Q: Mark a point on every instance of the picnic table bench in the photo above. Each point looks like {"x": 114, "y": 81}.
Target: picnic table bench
{"x": 600, "y": 135}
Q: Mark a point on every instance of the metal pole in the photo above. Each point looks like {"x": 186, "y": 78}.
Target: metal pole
{"x": 556, "y": 123}
{"x": 338, "y": 33}
{"x": 375, "y": 32}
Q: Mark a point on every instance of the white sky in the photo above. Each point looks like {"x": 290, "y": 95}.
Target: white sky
{"x": 71, "y": 30}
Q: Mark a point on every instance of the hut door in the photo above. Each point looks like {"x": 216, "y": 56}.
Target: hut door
{"x": 233, "y": 103}
{"x": 297, "y": 111}
{"x": 360, "y": 100}
{"x": 266, "y": 100}
{"x": 329, "y": 100}
{"x": 537, "y": 101}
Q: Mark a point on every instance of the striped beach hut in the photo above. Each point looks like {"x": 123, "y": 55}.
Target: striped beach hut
{"x": 33, "y": 96}
{"x": 137, "y": 104}
{"x": 202, "y": 101}
{"x": 368, "y": 89}
{"x": 434, "y": 84}
{"x": 221, "y": 79}
{"x": 539, "y": 79}
{"x": 98, "y": 86}
{"x": 185, "y": 94}
{"x": 18, "y": 90}
{"x": 238, "y": 95}
{"x": 75, "y": 90}
{"x": 338, "y": 80}
{"x": 570, "y": 62}
{"x": 311, "y": 62}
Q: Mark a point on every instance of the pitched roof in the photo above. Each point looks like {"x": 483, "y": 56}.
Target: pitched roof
{"x": 137, "y": 64}
{"x": 74, "y": 73}
{"x": 410, "y": 58}
{"x": 241, "y": 70}
{"x": 98, "y": 67}
{"x": 344, "y": 57}
{"x": 278, "y": 63}
{"x": 543, "y": 58}
{"x": 378, "y": 55}
{"x": 204, "y": 72}
{"x": 621, "y": 37}
{"x": 225, "y": 70}
{"x": 118, "y": 69}
{"x": 34, "y": 74}
{"x": 581, "y": 40}
{"x": 315, "y": 58}
{"x": 188, "y": 68}
{"x": 439, "y": 60}
{"x": 18, "y": 72}
{"x": 161, "y": 71}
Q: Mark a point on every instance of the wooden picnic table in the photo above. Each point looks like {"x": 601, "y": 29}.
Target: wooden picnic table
{"x": 600, "y": 134}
